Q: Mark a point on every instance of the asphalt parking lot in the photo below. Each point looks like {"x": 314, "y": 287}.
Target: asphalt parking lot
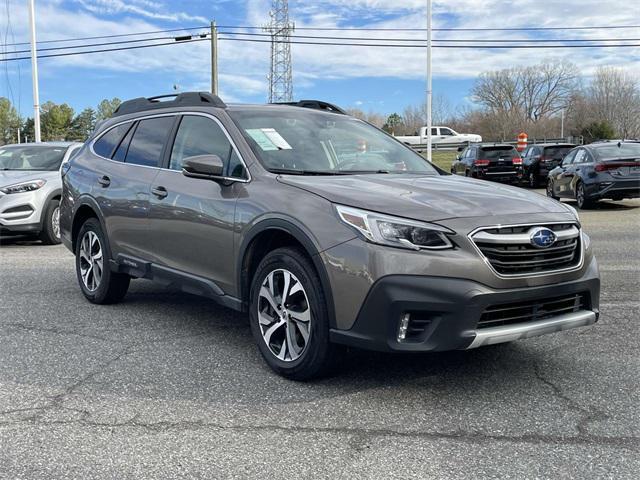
{"x": 168, "y": 385}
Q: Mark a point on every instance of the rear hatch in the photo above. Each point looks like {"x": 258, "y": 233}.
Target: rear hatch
{"x": 552, "y": 156}
{"x": 500, "y": 159}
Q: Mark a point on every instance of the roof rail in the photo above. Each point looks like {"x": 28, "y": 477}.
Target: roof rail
{"x": 186, "y": 99}
{"x": 316, "y": 105}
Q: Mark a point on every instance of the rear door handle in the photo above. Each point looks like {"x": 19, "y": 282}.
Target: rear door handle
{"x": 159, "y": 192}
{"x": 104, "y": 181}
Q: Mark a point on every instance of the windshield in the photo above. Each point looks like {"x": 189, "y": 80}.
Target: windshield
{"x": 290, "y": 140}
{"x": 621, "y": 150}
{"x": 31, "y": 158}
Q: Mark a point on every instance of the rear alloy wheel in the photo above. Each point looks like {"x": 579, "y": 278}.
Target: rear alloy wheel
{"x": 289, "y": 317}
{"x": 550, "y": 193}
{"x": 50, "y": 234}
{"x": 98, "y": 283}
{"x": 581, "y": 197}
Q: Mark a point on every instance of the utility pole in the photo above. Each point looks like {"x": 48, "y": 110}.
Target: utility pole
{"x": 562, "y": 123}
{"x": 429, "y": 83}
{"x": 34, "y": 71}
{"x": 214, "y": 58}
{"x": 18, "y": 135}
{"x": 280, "y": 76}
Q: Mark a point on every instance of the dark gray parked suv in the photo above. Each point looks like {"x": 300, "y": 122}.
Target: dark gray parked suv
{"x": 326, "y": 230}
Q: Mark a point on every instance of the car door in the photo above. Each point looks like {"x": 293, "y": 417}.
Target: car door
{"x": 192, "y": 219}
{"x": 580, "y": 166}
{"x": 562, "y": 180}
{"x": 131, "y": 153}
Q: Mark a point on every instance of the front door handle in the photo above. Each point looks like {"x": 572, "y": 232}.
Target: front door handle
{"x": 159, "y": 192}
{"x": 104, "y": 181}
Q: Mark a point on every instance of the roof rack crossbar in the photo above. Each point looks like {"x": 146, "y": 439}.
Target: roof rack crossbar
{"x": 186, "y": 99}
{"x": 316, "y": 105}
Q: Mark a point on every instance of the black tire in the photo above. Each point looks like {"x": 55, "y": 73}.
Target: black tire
{"x": 50, "y": 234}
{"x": 532, "y": 180}
{"x": 550, "y": 193}
{"x": 318, "y": 355}
{"x": 581, "y": 197}
{"x": 111, "y": 286}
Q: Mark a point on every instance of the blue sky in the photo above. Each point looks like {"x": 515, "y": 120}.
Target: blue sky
{"x": 377, "y": 79}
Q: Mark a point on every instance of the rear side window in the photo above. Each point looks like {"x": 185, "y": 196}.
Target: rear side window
{"x": 106, "y": 144}
{"x": 148, "y": 141}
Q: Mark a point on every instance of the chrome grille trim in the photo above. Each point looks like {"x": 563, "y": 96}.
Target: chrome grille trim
{"x": 511, "y": 251}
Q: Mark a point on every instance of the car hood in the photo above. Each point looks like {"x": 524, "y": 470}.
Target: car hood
{"x": 9, "y": 177}
{"x": 426, "y": 198}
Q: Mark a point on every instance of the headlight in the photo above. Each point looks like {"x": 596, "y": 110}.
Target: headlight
{"x": 572, "y": 210}
{"x": 23, "y": 187}
{"x": 394, "y": 231}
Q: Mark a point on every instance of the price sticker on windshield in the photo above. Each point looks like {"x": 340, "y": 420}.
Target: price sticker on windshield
{"x": 268, "y": 139}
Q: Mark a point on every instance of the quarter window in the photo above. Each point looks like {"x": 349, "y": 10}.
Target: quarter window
{"x": 148, "y": 140}
{"x": 202, "y": 136}
{"x": 105, "y": 145}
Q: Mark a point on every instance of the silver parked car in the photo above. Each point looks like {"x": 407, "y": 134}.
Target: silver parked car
{"x": 30, "y": 188}
{"x": 324, "y": 229}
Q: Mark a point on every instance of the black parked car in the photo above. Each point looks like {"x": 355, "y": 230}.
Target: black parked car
{"x": 538, "y": 160}
{"x": 498, "y": 162}
{"x": 596, "y": 171}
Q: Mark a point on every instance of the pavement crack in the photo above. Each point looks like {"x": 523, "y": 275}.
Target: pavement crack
{"x": 588, "y": 415}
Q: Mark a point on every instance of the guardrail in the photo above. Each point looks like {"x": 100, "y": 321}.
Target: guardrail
{"x": 455, "y": 146}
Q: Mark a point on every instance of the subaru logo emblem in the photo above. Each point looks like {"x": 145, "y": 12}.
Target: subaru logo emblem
{"x": 542, "y": 237}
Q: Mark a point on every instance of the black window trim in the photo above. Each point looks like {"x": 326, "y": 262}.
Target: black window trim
{"x": 172, "y": 138}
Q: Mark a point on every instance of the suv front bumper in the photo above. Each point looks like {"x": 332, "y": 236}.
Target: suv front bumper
{"x": 448, "y": 311}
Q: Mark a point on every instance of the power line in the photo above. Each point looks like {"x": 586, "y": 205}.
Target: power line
{"x": 349, "y": 39}
{"x": 446, "y": 29}
{"x": 450, "y": 40}
{"x": 487, "y": 47}
{"x": 104, "y": 50}
{"x": 343, "y": 44}
{"x": 109, "y": 43}
{"x": 183, "y": 29}
{"x": 364, "y": 29}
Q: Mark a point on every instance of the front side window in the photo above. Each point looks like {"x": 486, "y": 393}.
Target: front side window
{"x": 445, "y": 131}
{"x": 202, "y": 136}
{"x": 148, "y": 141}
{"x": 31, "y": 158}
{"x": 308, "y": 142}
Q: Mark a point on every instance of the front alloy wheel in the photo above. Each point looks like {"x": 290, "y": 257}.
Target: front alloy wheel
{"x": 289, "y": 317}
{"x": 550, "y": 193}
{"x": 284, "y": 314}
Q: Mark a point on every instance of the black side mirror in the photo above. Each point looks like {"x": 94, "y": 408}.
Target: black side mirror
{"x": 460, "y": 149}
{"x": 203, "y": 166}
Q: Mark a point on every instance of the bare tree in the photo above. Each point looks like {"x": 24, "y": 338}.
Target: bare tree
{"x": 614, "y": 96}
{"x": 527, "y": 93}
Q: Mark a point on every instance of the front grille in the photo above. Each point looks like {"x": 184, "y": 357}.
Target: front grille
{"x": 532, "y": 311}
{"x": 510, "y": 252}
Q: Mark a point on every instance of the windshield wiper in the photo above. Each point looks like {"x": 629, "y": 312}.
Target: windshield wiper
{"x": 293, "y": 171}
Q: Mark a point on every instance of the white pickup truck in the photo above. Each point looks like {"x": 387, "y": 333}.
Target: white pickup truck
{"x": 439, "y": 135}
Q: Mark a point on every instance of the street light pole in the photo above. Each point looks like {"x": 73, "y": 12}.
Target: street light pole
{"x": 34, "y": 71}
{"x": 214, "y": 58}
{"x": 429, "y": 85}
